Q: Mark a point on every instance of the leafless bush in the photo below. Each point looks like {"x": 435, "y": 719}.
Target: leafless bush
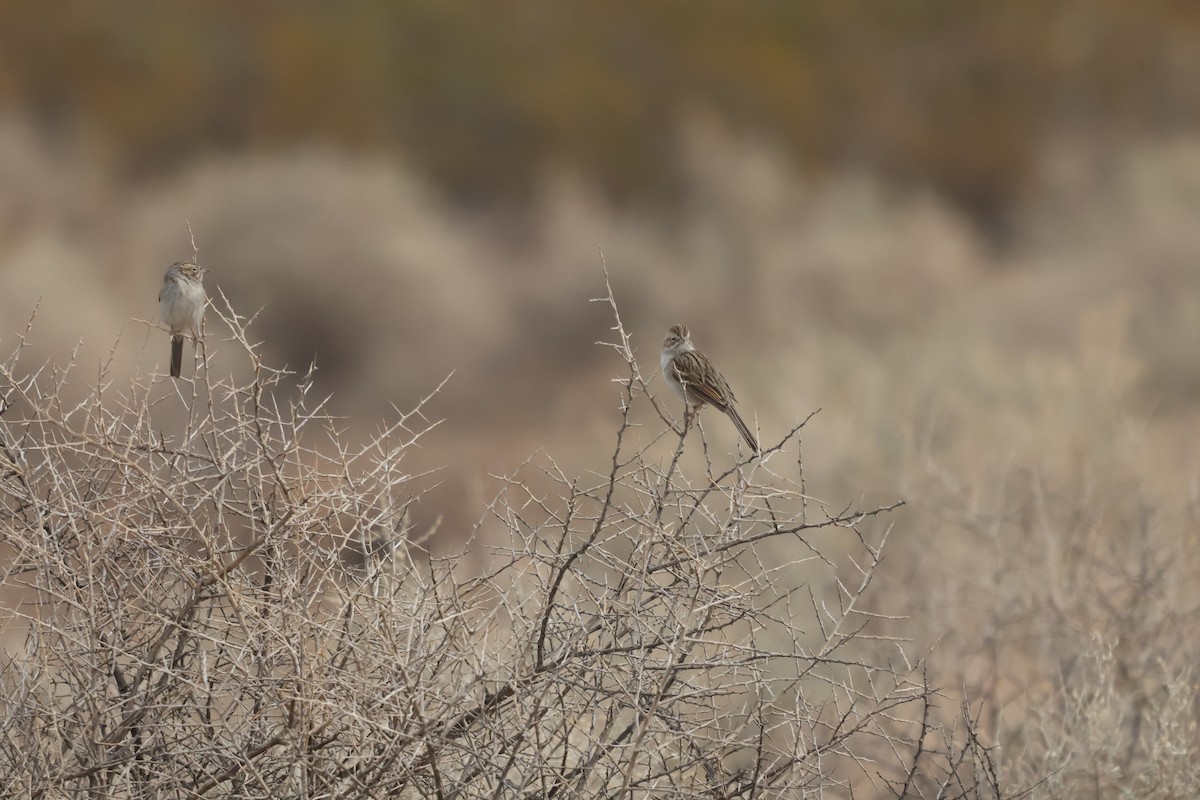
{"x": 236, "y": 606}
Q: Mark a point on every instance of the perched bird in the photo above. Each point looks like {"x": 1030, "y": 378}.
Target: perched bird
{"x": 696, "y": 381}
{"x": 181, "y": 304}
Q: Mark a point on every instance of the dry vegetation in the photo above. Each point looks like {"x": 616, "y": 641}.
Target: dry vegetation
{"x": 954, "y": 96}
{"x": 239, "y": 606}
{"x": 1036, "y": 410}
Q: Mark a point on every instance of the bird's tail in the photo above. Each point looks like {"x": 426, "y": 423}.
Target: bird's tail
{"x": 743, "y": 428}
{"x": 176, "y": 356}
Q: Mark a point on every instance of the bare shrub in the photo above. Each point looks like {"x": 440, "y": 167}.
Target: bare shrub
{"x": 238, "y": 607}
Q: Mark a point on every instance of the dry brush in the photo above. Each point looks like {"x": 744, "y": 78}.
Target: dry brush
{"x": 235, "y": 604}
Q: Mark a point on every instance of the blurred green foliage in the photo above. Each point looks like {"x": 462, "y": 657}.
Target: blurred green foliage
{"x": 479, "y": 96}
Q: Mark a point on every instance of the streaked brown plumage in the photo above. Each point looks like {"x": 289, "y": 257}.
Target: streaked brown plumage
{"x": 694, "y": 379}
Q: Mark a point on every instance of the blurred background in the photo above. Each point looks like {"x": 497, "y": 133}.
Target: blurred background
{"x": 968, "y": 232}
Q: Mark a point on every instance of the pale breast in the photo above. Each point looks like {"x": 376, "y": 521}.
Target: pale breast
{"x": 668, "y": 371}
{"x": 181, "y": 305}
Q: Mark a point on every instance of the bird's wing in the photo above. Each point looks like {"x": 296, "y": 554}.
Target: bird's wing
{"x": 696, "y": 372}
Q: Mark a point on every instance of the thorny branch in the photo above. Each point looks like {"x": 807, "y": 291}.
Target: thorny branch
{"x": 665, "y": 627}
